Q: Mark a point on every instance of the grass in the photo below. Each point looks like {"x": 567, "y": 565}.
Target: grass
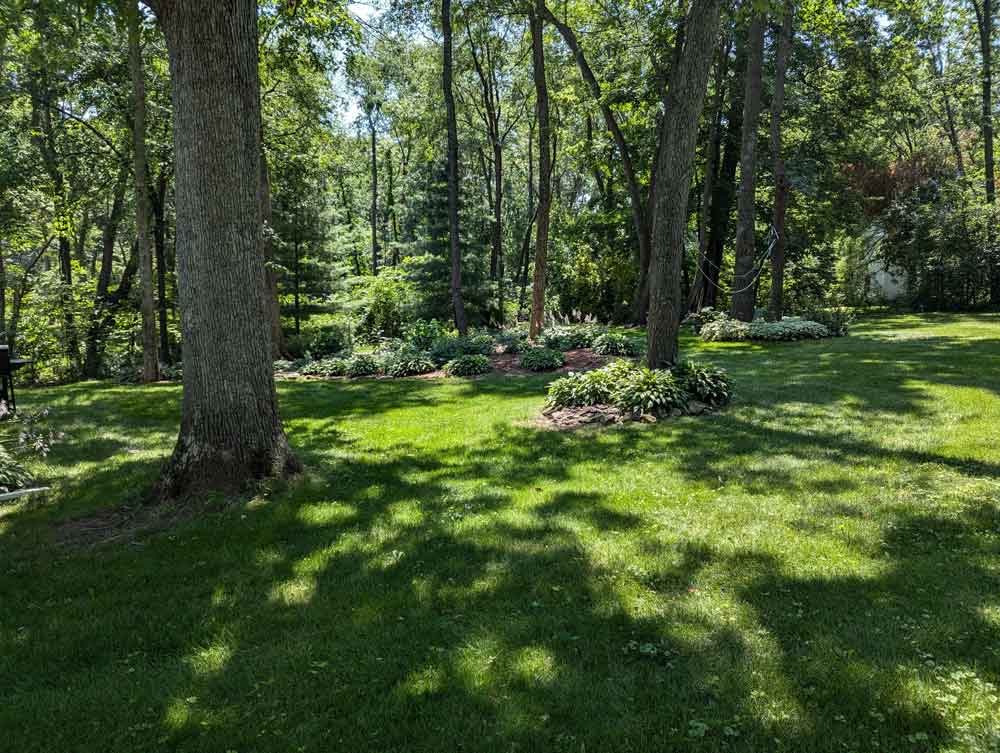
{"x": 815, "y": 569}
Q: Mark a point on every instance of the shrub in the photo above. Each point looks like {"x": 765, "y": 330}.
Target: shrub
{"x": 446, "y": 349}
{"x": 468, "y": 365}
{"x": 580, "y": 389}
{"x": 511, "y": 341}
{"x": 786, "y": 329}
{"x": 724, "y": 329}
{"x": 571, "y": 337}
{"x": 408, "y": 363}
{"x": 709, "y": 384}
{"x": 422, "y": 333}
{"x": 644, "y": 390}
{"x": 325, "y": 367}
{"x": 361, "y": 365}
{"x": 698, "y": 319}
{"x": 386, "y": 298}
{"x": 13, "y": 475}
{"x": 327, "y": 340}
{"x": 542, "y": 359}
{"x": 615, "y": 344}
{"x": 837, "y": 320}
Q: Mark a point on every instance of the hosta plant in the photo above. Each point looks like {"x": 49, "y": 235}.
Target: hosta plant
{"x": 468, "y": 365}
{"x": 542, "y": 359}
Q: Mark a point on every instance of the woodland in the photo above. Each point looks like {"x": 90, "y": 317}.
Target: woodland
{"x": 493, "y": 375}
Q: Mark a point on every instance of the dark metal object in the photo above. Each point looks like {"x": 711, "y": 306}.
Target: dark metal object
{"x": 8, "y": 366}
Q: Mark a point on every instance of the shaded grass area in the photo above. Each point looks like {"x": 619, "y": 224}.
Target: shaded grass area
{"x": 815, "y": 569}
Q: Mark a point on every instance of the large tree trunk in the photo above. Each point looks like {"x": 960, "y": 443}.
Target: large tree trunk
{"x": 683, "y": 105}
{"x": 544, "y": 171}
{"x": 776, "y": 304}
{"x": 744, "y": 275}
{"x": 150, "y": 361}
{"x": 455, "y": 246}
{"x": 230, "y": 429}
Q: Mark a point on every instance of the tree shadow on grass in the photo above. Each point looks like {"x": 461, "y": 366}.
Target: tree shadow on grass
{"x": 425, "y": 600}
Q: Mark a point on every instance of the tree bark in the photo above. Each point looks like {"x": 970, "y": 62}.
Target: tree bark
{"x": 743, "y": 279}
{"x": 230, "y": 431}
{"x": 702, "y": 281}
{"x": 683, "y": 105}
{"x": 984, "y": 22}
{"x": 150, "y": 360}
{"x": 158, "y": 201}
{"x": 461, "y": 324}
{"x": 782, "y": 188}
{"x": 544, "y": 170}
{"x": 373, "y": 216}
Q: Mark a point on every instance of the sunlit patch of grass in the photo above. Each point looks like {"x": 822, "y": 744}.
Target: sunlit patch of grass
{"x": 814, "y": 568}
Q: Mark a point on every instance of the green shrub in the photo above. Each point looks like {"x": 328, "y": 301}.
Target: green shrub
{"x": 615, "y": 344}
{"x": 327, "y": 340}
{"x": 698, "y": 319}
{"x": 580, "y": 389}
{"x": 325, "y": 367}
{"x": 408, "y": 363}
{"x": 709, "y": 384}
{"x": 13, "y": 475}
{"x": 787, "y": 329}
{"x": 570, "y": 337}
{"x": 468, "y": 365}
{"x": 422, "y": 333}
{"x": 644, "y": 390}
{"x": 836, "y": 319}
{"x": 446, "y": 349}
{"x": 542, "y": 359}
{"x": 385, "y": 298}
{"x": 361, "y": 364}
{"x": 511, "y": 341}
{"x": 724, "y": 329}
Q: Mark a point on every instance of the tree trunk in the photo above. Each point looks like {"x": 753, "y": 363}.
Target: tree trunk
{"x": 373, "y": 217}
{"x": 702, "y": 281}
{"x": 636, "y": 201}
{"x": 150, "y": 360}
{"x": 776, "y": 304}
{"x": 159, "y": 201}
{"x": 278, "y": 347}
{"x": 544, "y": 171}
{"x": 230, "y": 431}
{"x": 744, "y": 274}
{"x": 683, "y": 105}
{"x": 461, "y": 323}
{"x": 984, "y": 20}
{"x": 532, "y": 214}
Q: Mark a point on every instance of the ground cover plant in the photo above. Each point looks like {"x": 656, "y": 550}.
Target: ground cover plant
{"x": 812, "y": 569}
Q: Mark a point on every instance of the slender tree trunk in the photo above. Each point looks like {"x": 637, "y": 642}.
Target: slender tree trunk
{"x": 532, "y": 214}
{"x": 278, "y": 347}
{"x": 702, "y": 281}
{"x": 544, "y": 170}
{"x": 725, "y": 184}
{"x": 496, "y": 257}
{"x": 150, "y": 360}
{"x": 683, "y": 105}
{"x": 374, "y": 210}
{"x": 296, "y": 281}
{"x": 984, "y": 20}
{"x": 461, "y": 323}
{"x": 230, "y": 431}
{"x": 158, "y": 202}
{"x": 743, "y": 279}
{"x": 782, "y": 187}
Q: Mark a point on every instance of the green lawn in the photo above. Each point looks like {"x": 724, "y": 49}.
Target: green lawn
{"x": 817, "y": 568}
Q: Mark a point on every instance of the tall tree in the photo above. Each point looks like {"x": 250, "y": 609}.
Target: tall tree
{"x": 230, "y": 430}
{"x": 744, "y": 279}
{"x": 683, "y": 103}
{"x": 782, "y": 188}
{"x": 544, "y": 168}
{"x": 447, "y": 74}
{"x": 150, "y": 361}
{"x": 984, "y": 24}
